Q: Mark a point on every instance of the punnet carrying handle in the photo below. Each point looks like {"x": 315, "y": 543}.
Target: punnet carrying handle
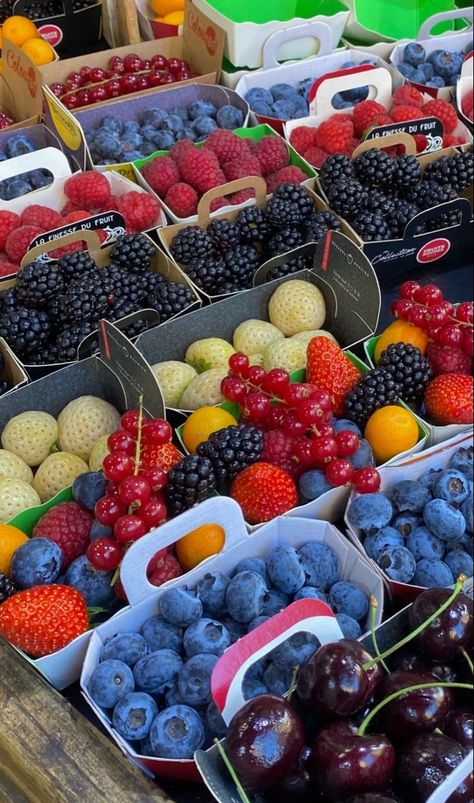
{"x": 250, "y": 182}
{"x": 378, "y": 80}
{"x": 445, "y": 16}
{"x": 89, "y": 236}
{"x": 401, "y": 138}
{"x": 457, "y": 205}
{"x": 49, "y": 158}
{"x": 320, "y": 31}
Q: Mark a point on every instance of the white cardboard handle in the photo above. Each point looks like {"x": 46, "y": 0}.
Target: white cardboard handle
{"x": 313, "y": 30}
{"x": 50, "y": 159}
{"x": 378, "y": 80}
{"x": 453, "y": 780}
{"x": 444, "y": 16}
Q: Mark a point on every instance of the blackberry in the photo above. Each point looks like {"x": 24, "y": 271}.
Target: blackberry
{"x": 68, "y": 341}
{"x": 42, "y": 9}
{"x": 300, "y": 262}
{"x": 372, "y": 226}
{"x": 408, "y": 367}
{"x": 374, "y": 168}
{"x": 76, "y": 265}
{"x": 240, "y": 266}
{"x": 401, "y": 216}
{"x": 443, "y": 221}
{"x": 190, "y": 243}
{"x": 9, "y": 300}
{"x": 207, "y": 274}
{"x": 47, "y": 356}
{"x": 253, "y": 224}
{"x": 335, "y": 168}
{"x": 289, "y": 206}
{"x": 7, "y": 588}
{"x": 4, "y": 386}
{"x": 151, "y": 281}
{"x": 126, "y": 286}
{"x": 190, "y": 482}
{"x": 121, "y": 309}
{"x": 347, "y": 198}
{"x": 224, "y": 234}
{"x": 284, "y": 240}
{"x": 429, "y": 193}
{"x": 133, "y": 252}
{"x": 136, "y": 328}
{"x": 37, "y": 283}
{"x": 170, "y": 299}
{"x": 374, "y": 389}
{"x": 406, "y": 172}
{"x": 454, "y": 170}
{"x": 379, "y": 202}
{"x": 231, "y": 450}
{"x": 89, "y": 300}
{"x": 327, "y": 219}
{"x": 25, "y": 330}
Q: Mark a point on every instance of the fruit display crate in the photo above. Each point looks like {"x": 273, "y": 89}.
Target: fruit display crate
{"x": 79, "y": 25}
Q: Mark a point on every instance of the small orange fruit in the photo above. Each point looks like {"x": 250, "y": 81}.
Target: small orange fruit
{"x": 164, "y": 7}
{"x": 401, "y": 332}
{"x": 39, "y": 51}
{"x": 10, "y": 539}
{"x": 19, "y": 29}
{"x": 391, "y": 431}
{"x": 199, "y": 544}
{"x": 203, "y": 423}
{"x": 174, "y": 18}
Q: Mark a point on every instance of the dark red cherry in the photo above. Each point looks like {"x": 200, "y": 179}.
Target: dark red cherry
{"x": 459, "y": 725}
{"x": 159, "y": 62}
{"x": 423, "y": 764}
{"x": 299, "y": 786}
{"x": 450, "y": 631}
{"x": 417, "y": 711}
{"x": 410, "y": 661}
{"x": 372, "y": 797}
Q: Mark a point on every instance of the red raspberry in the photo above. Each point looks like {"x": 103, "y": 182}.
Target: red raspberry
{"x": 9, "y": 221}
{"x": 421, "y": 142}
{"x": 58, "y": 253}
{"x": 161, "y": 174}
{"x": 241, "y": 168}
{"x": 198, "y": 168}
{"x": 218, "y": 203}
{"x": 89, "y": 190}
{"x": 443, "y": 111}
{"x": 401, "y": 114}
{"x": 75, "y": 215}
{"x": 176, "y": 151}
{"x": 354, "y": 143}
{"x": 367, "y": 114}
{"x": 287, "y": 175}
{"x": 182, "y": 199}
{"x": 18, "y": 242}
{"x": 277, "y": 450}
{"x": 449, "y": 141}
{"x": 69, "y": 526}
{"x": 41, "y": 216}
{"x": 70, "y": 207}
{"x": 303, "y": 138}
{"x": 139, "y": 209}
{"x": 163, "y": 567}
{"x": 335, "y": 134}
{"x": 239, "y": 197}
{"x": 227, "y": 146}
{"x": 272, "y": 154}
{"x": 407, "y": 95}
{"x": 7, "y": 268}
{"x": 316, "y": 156}
{"x": 467, "y": 104}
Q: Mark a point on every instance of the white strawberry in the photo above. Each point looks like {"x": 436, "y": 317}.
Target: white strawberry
{"x": 204, "y": 391}
{"x": 254, "y": 336}
{"x": 83, "y": 421}
{"x": 30, "y": 435}
{"x": 212, "y": 352}
{"x": 307, "y": 337}
{"x": 58, "y": 471}
{"x": 173, "y": 378}
{"x": 290, "y": 355}
{"x": 99, "y": 450}
{"x": 15, "y": 497}
{"x": 13, "y": 467}
{"x": 297, "y": 306}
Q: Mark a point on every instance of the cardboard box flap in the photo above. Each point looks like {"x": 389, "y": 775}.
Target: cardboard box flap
{"x": 12, "y": 370}
{"x": 460, "y": 205}
{"x": 23, "y": 80}
{"x": 427, "y": 26}
{"x": 203, "y": 39}
{"x": 48, "y": 158}
{"x": 318, "y": 30}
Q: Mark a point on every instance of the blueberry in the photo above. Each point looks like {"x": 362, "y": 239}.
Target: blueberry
{"x": 130, "y": 127}
{"x": 180, "y": 607}
{"x": 145, "y": 747}
{"x": 88, "y": 488}
{"x": 252, "y": 565}
{"x": 423, "y": 73}
{"x": 423, "y": 544}
{"x": 340, "y": 424}
{"x": 245, "y": 596}
{"x": 40, "y": 178}
{"x": 467, "y": 509}
{"x": 148, "y": 132}
{"x": 259, "y": 95}
{"x": 160, "y": 634}
{"x": 432, "y": 574}
{"x": 194, "y": 679}
{"x": 363, "y": 457}
{"x": 36, "y": 562}
{"x": 132, "y": 141}
{"x": 259, "y": 620}
{"x": 134, "y": 714}
{"x": 459, "y": 562}
{"x": 436, "y": 82}
{"x": 261, "y": 108}
{"x": 214, "y": 721}
{"x": 432, "y": 56}
{"x": 282, "y": 91}
{"x": 201, "y": 107}
{"x": 320, "y": 564}
{"x": 285, "y": 569}
{"x": 378, "y": 542}
{"x": 172, "y": 695}
{"x": 463, "y": 461}
{"x": 443, "y": 520}
{"x": 235, "y": 629}
{"x": 211, "y": 590}
{"x": 186, "y": 133}
{"x": 205, "y": 636}
{"x": 112, "y": 123}
{"x": 229, "y": 117}
{"x": 452, "y": 486}
{"x": 313, "y": 484}
{"x": 405, "y": 523}
{"x": 398, "y": 563}
{"x": 346, "y": 598}
{"x": 283, "y": 109}
{"x": 447, "y": 65}
{"x": 95, "y": 585}
{"x": 126, "y": 647}
{"x": 203, "y": 126}
{"x": 414, "y": 54}
{"x": 275, "y": 601}
{"x": 110, "y": 681}
{"x": 339, "y": 103}
{"x": 100, "y": 531}
{"x": 131, "y": 156}
{"x": 153, "y": 117}
{"x": 253, "y": 687}
{"x": 18, "y": 145}
{"x": 308, "y": 592}
{"x": 172, "y": 123}
{"x": 155, "y": 672}
{"x": 370, "y": 512}
{"x": 181, "y": 112}
{"x": 164, "y": 140}
{"x": 295, "y": 651}
{"x": 276, "y": 680}
{"x": 407, "y": 70}
{"x": 350, "y": 628}
{"x": 107, "y": 146}
{"x": 409, "y": 496}
{"x": 429, "y": 478}
{"x": 177, "y": 733}
{"x": 16, "y": 188}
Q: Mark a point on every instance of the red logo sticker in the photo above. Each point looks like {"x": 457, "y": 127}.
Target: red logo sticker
{"x": 52, "y": 33}
{"x": 433, "y": 250}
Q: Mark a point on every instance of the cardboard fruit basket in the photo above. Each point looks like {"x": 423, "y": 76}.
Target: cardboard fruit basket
{"x": 464, "y": 86}
{"x": 70, "y": 29}
{"x": 373, "y": 21}
{"x": 408, "y": 468}
{"x": 150, "y": 26}
{"x": 280, "y": 531}
{"x": 39, "y": 136}
{"x": 12, "y": 371}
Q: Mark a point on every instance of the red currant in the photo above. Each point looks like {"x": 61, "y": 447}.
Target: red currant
{"x": 436, "y": 315}
{"x": 448, "y": 306}
{"x": 111, "y": 489}
{"x": 83, "y": 98}
{"x": 309, "y": 412}
{"x": 156, "y": 477}
{"x": 323, "y": 398}
{"x": 408, "y": 289}
{"x": 366, "y": 480}
{"x": 416, "y": 316}
{"x": 464, "y": 312}
{"x": 276, "y": 382}
{"x": 292, "y": 426}
{"x": 129, "y": 528}
{"x": 302, "y": 452}
{"x": 134, "y": 490}
{"x": 325, "y": 428}
{"x": 153, "y": 512}
{"x": 433, "y": 332}
{"x": 108, "y": 510}
{"x": 234, "y": 389}
{"x": 339, "y": 471}
{"x": 239, "y": 364}
{"x": 297, "y": 392}
{"x": 129, "y": 422}
{"x": 467, "y": 341}
{"x": 450, "y": 335}
{"x": 324, "y": 449}
{"x": 347, "y": 443}
{"x": 429, "y": 294}
{"x": 276, "y": 418}
{"x": 85, "y": 73}
{"x": 105, "y": 554}
{"x": 401, "y": 308}
{"x": 117, "y": 466}
{"x": 256, "y": 375}
{"x": 113, "y": 88}
{"x": 122, "y": 441}
{"x": 157, "y": 431}
{"x": 256, "y": 406}
{"x": 97, "y": 94}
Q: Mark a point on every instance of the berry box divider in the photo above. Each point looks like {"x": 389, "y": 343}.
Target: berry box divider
{"x": 12, "y": 371}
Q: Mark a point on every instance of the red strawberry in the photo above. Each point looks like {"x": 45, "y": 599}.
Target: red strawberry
{"x": 163, "y": 567}
{"x": 448, "y": 399}
{"x": 43, "y": 619}
{"x": 69, "y": 525}
{"x": 264, "y": 491}
{"x": 448, "y": 360}
{"x": 164, "y": 457}
{"x": 330, "y": 369}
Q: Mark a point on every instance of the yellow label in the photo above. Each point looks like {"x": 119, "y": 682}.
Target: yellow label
{"x": 124, "y": 169}
{"x": 66, "y": 126}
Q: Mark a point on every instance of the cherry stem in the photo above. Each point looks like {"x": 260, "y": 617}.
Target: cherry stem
{"x": 240, "y": 789}
{"x": 457, "y": 588}
{"x": 468, "y": 659}
{"x": 294, "y": 682}
{"x": 373, "y": 611}
{"x": 396, "y": 694}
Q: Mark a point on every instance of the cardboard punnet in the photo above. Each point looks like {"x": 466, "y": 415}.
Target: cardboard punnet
{"x": 408, "y": 468}
{"x": 10, "y": 369}
{"x": 11, "y": 104}
{"x": 39, "y": 136}
{"x": 70, "y": 30}
{"x": 150, "y": 26}
{"x": 353, "y": 567}
{"x": 464, "y": 86}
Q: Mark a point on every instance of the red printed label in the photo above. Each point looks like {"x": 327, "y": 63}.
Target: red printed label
{"x": 52, "y": 33}
{"x": 208, "y": 34}
{"x": 433, "y": 250}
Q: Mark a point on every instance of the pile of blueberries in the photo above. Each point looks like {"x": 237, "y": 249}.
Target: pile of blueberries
{"x": 155, "y": 685}
{"x": 113, "y": 141}
{"x": 20, "y": 185}
{"x": 421, "y": 531}
{"x": 437, "y": 69}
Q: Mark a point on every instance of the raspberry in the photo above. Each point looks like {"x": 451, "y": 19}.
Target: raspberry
{"x": 272, "y": 154}
{"x": 239, "y": 197}
{"x": 335, "y": 134}
{"x": 443, "y": 111}
{"x": 218, "y": 203}
{"x": 241, "y": 168}
{"x": 69, "y": 526}
{"x": 303, "y": 138}
{"x": 161, "y": 174}
{"x": 316, "y": 156}
{"x": 18, "y": 242}
{"x": 9, "y": 221}
{"x": 139, "y": 209}
{"x": 7, "y": 268}
{"x": 163, "y": 567}
{"x": 367, "y": 114}
{"x": 199, "y": 168}
{"x": 176, "y": 151}
{"x": 449, "y": 141}
{"x": 407, "y": 95}
{"x": 59, "y": 253}
{"x": 287, "y": 175}
{"x": 227, "y": 146}
{"x": 182, "y": 199}
{"x": 277, "y": 450}
{"x": 353, "y": 144}
{"x": 75, "y": 215}
{"x": 41, "y": 216}
{"x": 421, "y": 142}
{"x": 466, "y": 104}
{"x": 89, "y": 190}
{"x": 70, "y": 207}
{"x": 401, "y": 114}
